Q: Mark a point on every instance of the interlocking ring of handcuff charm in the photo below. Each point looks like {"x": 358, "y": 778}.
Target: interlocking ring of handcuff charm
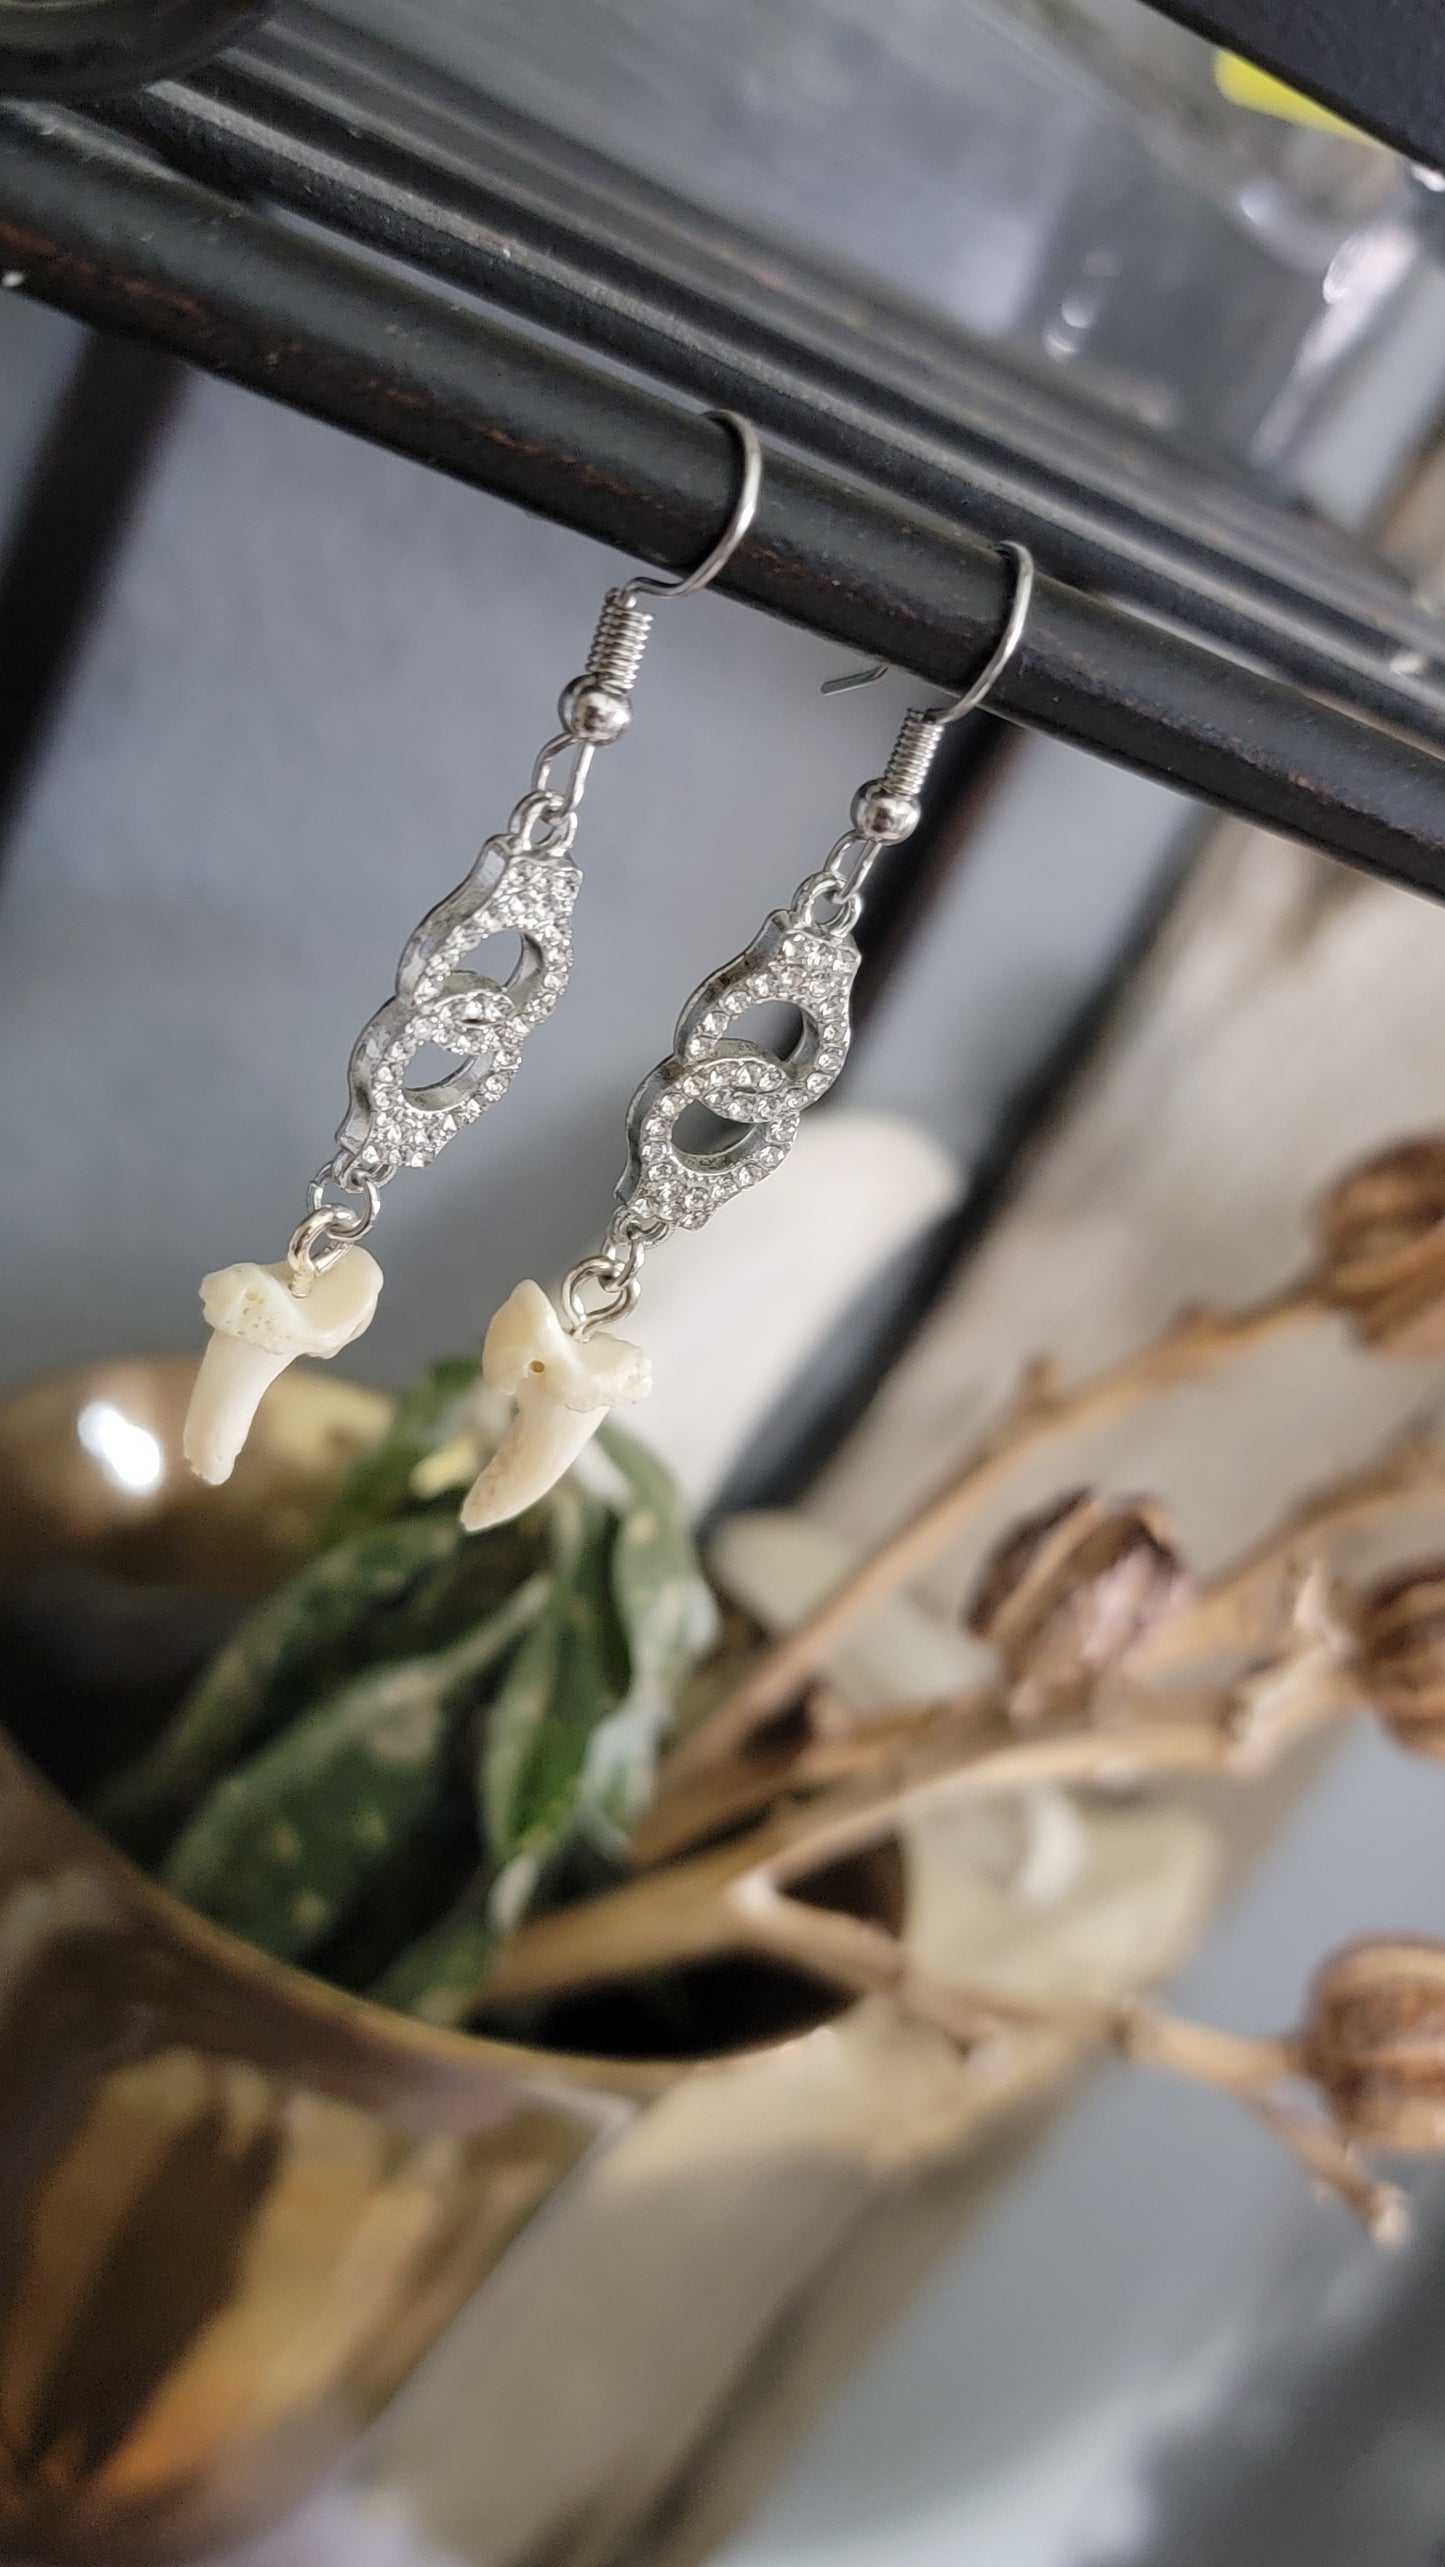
{"x": 484, "y": 1022}
{"x": 803, "y": 958}
{"x": 669, "y": 1185}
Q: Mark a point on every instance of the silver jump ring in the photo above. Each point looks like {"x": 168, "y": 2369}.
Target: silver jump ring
{"x": 348, "y": 1219}
{"x": 322, "y": 1239}
{"x": 542, "y": 824}
{"x": 620, "y": 1283}
{"x": 846, "y": 900}
{"x": 744, "y": 510}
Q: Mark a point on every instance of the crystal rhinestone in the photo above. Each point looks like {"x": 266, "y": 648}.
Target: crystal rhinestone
{"x": 745, "y": 1083}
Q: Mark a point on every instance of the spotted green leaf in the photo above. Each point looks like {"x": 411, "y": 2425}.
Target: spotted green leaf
{"x": 668, "y": 1619}
{"x": 567, "y": 1676}
{"x": 282, "y": 1849}
{"x": 408, "y": 1894}
{"x": 346, "y": 1606}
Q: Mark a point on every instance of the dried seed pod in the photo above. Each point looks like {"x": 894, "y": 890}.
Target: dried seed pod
{"x": 1399, "y": 1629}
{"x": 1374, "y": 2040}
{"x": 1382, "y": 1229}
{"x": 1068, "y": 1593}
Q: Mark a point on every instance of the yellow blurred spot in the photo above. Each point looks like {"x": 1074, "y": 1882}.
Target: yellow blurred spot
{"x": 1245, "y": 86}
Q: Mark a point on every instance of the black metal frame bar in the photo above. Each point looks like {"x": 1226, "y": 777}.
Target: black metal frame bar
{"x": 1381, "y": 65}
{"x": 313, "y": 116}
{"x": 92, "y": 463}
{"x": 91, "y": 47}
{"x": 858, "y": 539}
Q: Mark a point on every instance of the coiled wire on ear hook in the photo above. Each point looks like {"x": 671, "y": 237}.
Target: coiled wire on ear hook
{"x": 596, "y": 707}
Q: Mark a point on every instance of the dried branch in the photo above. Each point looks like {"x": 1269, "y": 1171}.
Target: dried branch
{"x": 864, "y": 1960}
{"x": 1233, "y": 1611}
{"x": 849, "y": 1952}
{"x": 1191, "y": 1347}
{"x": 1261, "y": 1709}
{"x": 1334, "y": 2165}
{"x": 1259, "y": 2073}
{"x": 865, "y": 1813}
{"x": 759, "y": 1778}
{"x": 700, "y": 1907}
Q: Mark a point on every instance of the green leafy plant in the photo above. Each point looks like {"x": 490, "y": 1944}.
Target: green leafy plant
{"x": 398, "y": 1753}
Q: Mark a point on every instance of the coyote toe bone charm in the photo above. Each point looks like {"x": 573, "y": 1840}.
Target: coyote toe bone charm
{"x": 259, "y": 1325}
{"x": 563, "y": 1387}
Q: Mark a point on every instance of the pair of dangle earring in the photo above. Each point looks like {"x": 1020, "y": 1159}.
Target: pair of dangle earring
{"x": 323, "y": 1294}
{"x": 562, "y": 1370}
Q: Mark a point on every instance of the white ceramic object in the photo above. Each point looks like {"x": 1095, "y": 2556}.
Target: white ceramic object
{"x": 732, "y": 1314}
{"x": 259, "y": 1324}
{"x": 777, "y": 1567}
{"x": 562, "y": 1387}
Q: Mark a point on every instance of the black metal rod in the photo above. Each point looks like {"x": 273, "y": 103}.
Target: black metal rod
{"x": 92, "y": 224}
{"x": 314, "y": 116}
{"x": 79, "y": 494}
{"x": 1382, "y": 68}
{"x": 91, "y": 47}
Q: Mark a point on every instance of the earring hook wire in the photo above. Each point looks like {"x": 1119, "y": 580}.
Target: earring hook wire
{"x": 993, "y": 667}
{"x": 744, "y": 509}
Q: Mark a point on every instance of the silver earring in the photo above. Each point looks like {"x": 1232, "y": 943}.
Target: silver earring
{"x": 562, "y": 1374}
{"x": 322, "y": 1295}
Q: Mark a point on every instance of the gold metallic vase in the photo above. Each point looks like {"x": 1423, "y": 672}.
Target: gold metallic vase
{"x": 237, "y": 2207}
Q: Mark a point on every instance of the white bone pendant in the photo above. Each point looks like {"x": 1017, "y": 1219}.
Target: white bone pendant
{"x": 563, "y": 1387}
{"x": 259, "y": 1325}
